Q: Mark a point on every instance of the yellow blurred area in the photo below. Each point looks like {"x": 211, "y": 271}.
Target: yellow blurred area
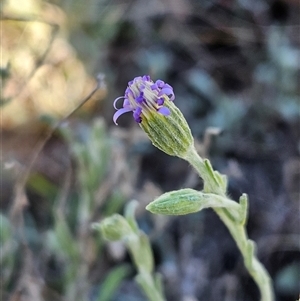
{"x": 45, "y": 77}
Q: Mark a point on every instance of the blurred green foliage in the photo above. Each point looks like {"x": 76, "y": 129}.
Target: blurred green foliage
{"x": 125, "y": 229}
{"x": 67, "y": 247}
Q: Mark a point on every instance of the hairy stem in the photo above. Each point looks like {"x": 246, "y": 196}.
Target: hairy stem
{"x": 236, "y": 227}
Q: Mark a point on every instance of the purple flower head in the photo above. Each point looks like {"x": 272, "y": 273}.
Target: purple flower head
{"x": 143, "y": 96}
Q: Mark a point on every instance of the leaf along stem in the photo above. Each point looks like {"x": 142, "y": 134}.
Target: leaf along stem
{"x": 213, "y": 184}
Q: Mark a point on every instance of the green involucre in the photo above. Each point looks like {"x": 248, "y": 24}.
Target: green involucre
{"x": 171, "y": 134}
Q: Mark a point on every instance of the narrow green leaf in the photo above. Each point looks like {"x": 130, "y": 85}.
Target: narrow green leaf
{"x": 112, "y": 282}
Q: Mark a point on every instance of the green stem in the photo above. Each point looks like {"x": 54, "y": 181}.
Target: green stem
{"x": 235, "y": 227}
{"x": 247, "y": 248}
{"x": 147, "y": 283}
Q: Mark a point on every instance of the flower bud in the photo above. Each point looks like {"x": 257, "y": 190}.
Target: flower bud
{"x": 114, "y": 227}
{"x": 185, "y": 201}
{"x": 153, "y": 108}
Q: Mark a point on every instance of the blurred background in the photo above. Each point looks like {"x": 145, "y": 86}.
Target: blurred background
{"x": 234, "y": 66}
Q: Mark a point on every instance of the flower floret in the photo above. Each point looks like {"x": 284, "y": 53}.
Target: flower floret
{"x": 143, "y": 96}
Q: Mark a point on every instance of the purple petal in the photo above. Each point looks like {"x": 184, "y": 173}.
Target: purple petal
{"x": 119, "y": 113}
{"x": 164, "y": 111}
{"x": 140, "y": 98}
{"x": 146, "y": 78}
{"x": 137, "y": 113}
{"x": 138, "y": 78}
{"x": 126, "y": 103}
{"x": 154, "y": 87}
{"x": 166, "y": 90}
{"x": 160, "y": 83}
{"x": 167, "y": 86}
{"x": 138, "y": 119}
{"x": 160, "y": 101}
{"x": 128, "y": 91}
{"x": 116, "y": 100}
